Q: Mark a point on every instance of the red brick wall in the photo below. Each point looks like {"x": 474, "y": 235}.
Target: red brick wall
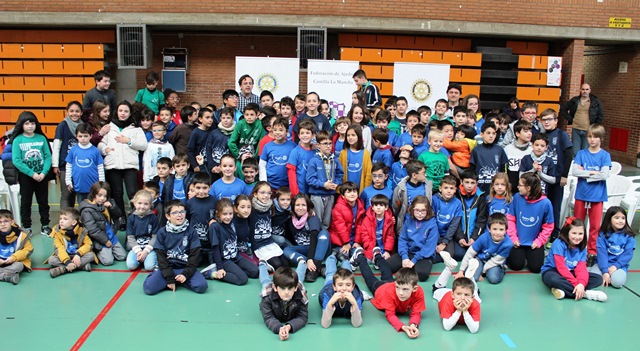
{"x": 579, "y": 13}
{"x": 618, "y": 93}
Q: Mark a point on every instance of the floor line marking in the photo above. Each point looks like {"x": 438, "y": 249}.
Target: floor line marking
{"x": 633, "y": 292}
{"x": 104, "y": 312}
{"x": 99, "y": 270}
{"x": 507, "y": 340}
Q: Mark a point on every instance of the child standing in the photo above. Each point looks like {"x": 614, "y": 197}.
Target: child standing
{"x": 142, "y": 227}
{"x": 379, "y": 174}
{"x": 340, "y": 296}
{"x": 324, "y": 175}
{"x": 157, "y": 148}
{"x": 488, "y": 158}
{"x": 299, "y": 159}
{"x": 537, "y": 162}
{"x": 201, "y": 213}
{"x": 383, "y": 119}
{"x": 242, "y": 210}
{"x": 96, "y": 213}
{"x": 592, "y": 167}
{"x": 565, "y": 269}
{"x": 518, "y": 149}
{"x": 472, "y": 199}
{"x": 176, "y": 186}
{"x": 182, "y": 133}
{"x": 64, "y": 140}
{"x": 71, "y": 245}
{"x": 398, "y": 171}
{"x": 312, "y": 113}
{"x": 166, "y": 116}
{"x": 218, "y": 142}
{"x": 244, "y": 140}
{"x": 178, "y": 250}
{"x": 340, "y": 135}
{"x": 497, "y": 200}
{"x": 530, "y": 219}
{"x": 355, "y": 159}
{"x": 284, "y": 304}
{"x": 151, "y": 96}
{"x": 448, "y": 212}
{"x": 413, "y": 185}
{"x": 228, "y": 186}
{"x": 84, "y": 164}
{"x": 437, "y": 164}
{"x": 383, "y": 151}
{"x": 198, "y": 140}
{"x": 31, "y": 155}
{"x": 15, "y": 249}
{"x": 281, "y": 216}
{"x": 615, "y": 245}
{"x": 274, "y": 157}
{"x": 360, "y": 117}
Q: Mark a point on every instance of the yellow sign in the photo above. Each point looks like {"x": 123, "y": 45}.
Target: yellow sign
{"x": 619, "y": 22}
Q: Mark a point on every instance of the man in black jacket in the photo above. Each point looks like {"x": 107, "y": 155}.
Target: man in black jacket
{"x": 581, "y": 112}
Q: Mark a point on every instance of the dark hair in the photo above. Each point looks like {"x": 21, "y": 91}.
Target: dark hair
{"x": 530, "y": 104}
{"x": 268, "y": 111}
{"x": 414, "y": 166}
{"x": 287, "y": 101}
{"x": 381, "y": 135}
{"x": 433, "y": 123}
{"x": 203, "y": 111}
{"x": 229, "y": 93}
{"x": 307, "y": 124}
{"x": 168, "y": 108}
{"x": 266, "y": 93}
{"x": 488, "y": 125}
{"x": 282, "y": 191}
{"x": 228, "y": 156}
{"x": 469, "y": 174}
{"x": 463, "y": 283}
{"x": 285, "y": 278}
{"x": 167, "y": 92}
{"x": 84, "y": 128}
{"x": 443, "y": 123}
{"x": 380, "y": 166}
{"x": 322, "y": 135}
{"x": 384, "y": 115}
{"x": 211, "y": 107}
{"x": 380, "y": 199}
{"x": 243, "y": 77}
{"x": 420, "y": 129}
{"x": 344, "y": 274}
{"x": 298, "y": 196}
{"x": 252, "y": 106}
{"x": 459, "y": 109}
{"x": 249, "y": 162}
{"x": 100, "y": 74}
{"x": 153, "y": 186}
{"x": 564, "y": 232}
{"x": 360, "y": 143}
{"x": 401, "y": 98}
{"x": 497, "y": 218}
{"x": 360, "y": 74}
{"x": 179, "y": 158}
{"x": 241, "y": 197}
{"x": 201, "y": 178}
{"x": 26, "y": 116}
{"x": 266, "y": 122}
{"x": 413, "y": 113}
{"x": 96, "y": 187}
{"x": 74, "y": 102}
{"x": 6, "y": 214}
{"x": 227, "y": 111}
{"x": 532, "y": 180}
{"x": 424, "y": 108}
{"x": 165, "y": 161}
{"x": 221, "y": 204}
{"x": 257, "y": 187}
{"x": 606, "y": 226}
{"x": 468, "y": 131}
{"x": 187, "y": 111}
{"x": 171, "y": 205}
{"x": 97, "y": 107}
{"x": 540, "y": 136}
{"x": 130, "y": 120}
{"x": 521, "y": 125}
{"x": 407, "y": 276}
{"x": 365, "y": 115}
{"x": 421, "y": 199}
{"x": 456, "y": 86}
{"x": 159, "y": 124}
{"x": 391, "y": 101}
{"x": 146, "y": 114}
{"x": 348, "y": 186}
{"x": 151, "y": 77}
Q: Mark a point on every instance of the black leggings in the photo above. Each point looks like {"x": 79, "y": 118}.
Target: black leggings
{"x": 372, "y": 282}
{"x": 278, "y": 261}
{"x": 422, "y": 267}
{"x": 115, "y": 177}
{"x": 28, "y": 186}
{"x": 525, "y": 255}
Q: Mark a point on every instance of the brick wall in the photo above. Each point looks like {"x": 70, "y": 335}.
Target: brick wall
{"x": 618, "y": 93}
{"x": 579, "y": 13}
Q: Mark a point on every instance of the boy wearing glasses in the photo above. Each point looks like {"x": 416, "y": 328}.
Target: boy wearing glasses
{"x": 178, "y": 249}
{"x": 379, "y": 174}
{"x": 157, "y": 148}
{"x": 324, "y": 175}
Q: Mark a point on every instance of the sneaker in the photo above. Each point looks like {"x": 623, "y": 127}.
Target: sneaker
{"x": 323, "y": 270}
{"x": 448, "y": 261}
{"x": 57, "y": 271}
{"x": 269, "y": 267}
{"x": 14, "y": 278}
{"x": 87, "y": 267}
{"x": 45, "y": 231}
{"x": 548, "y": 246}
{"x": 339, "y": 255}
{"x": 557, "y": 293}
{"x": 434, "y": 288}
{"x": 595, "y": 295}
{"x": 311, "y": 276}
{"x": 366, "y": 296}
{"x": 377, "y": 254}
{"x": 209, "y": 271}
{"x": 471, "y": 268}
{"x": 354, "y": 258}
{"x": 591, "y": 260}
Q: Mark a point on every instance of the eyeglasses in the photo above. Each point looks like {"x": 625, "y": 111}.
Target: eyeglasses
{"x": 420, "y": 211}
{"x": 377, "y": 176}
{"x": 548, "y": 119}
{"x": 5, "y": 221}
{"x": 177, "y": 213}
{"x": 529, "y": 113}
{"x": 325, "y": 143}
{"x": 158, "y": 130}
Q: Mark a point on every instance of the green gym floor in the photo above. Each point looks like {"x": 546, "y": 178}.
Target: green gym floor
{"x": 107, "y": 309}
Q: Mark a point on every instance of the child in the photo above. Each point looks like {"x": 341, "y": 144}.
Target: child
{"x": 413, "y": 185}
{"x": 379, "y": 175}
{"x": 412, "y": 120}
{"x": 530, "y": 224}
{"x": 166, "y": 116}
{"x": 198, "y": 140}
{"x": 228, "y": 186}
{"x": 145, "y": 119}
{"x": 592, "y": 167}
{"x": 156, "y": 204}
{"x": 321, "y": 121}
{"x": 178, "y": 250}
{"x": 84, "y": 164}
{"x": 171, "y": 100}
{"x": 31, "y": 155}
{"x": 490, "y": 252}
{"x": 340, "y": 296}
{"x": 441, "y": 109}
{"x": 267, "y": 123}
{"x": 100, "y": 121}
{"x": 299, "y": 159}
{"x": 287, "y": 106}
{"x": 96, "y": 213}
{"x": 360, "y": 117}
{"x": 488, "y": 159}
{"x": 249, "y": 169}
{"x": 201, "y": 213}
{"x": 448, "y": 212}
{"x": 418, "y": 240}
{"x": 519, "y": 148}
{"x": 262, "y": 244}
{"x": 537, "y": 162}
{"x": 383, "y": 151}
{"x": 344, "y": 216}
{"x": 299, "y": 102}
{"x": 398, "y": 170}
{"x": 460, "y": 304}
{"x": 63, "y": 141}
{"x": 15, "y": 249}
{"x": 461, "y": 147}
{"x": 565, "y": 268}
{"x": 459, "y": 115}
{"x": 355, "y": 159}
{"x": 376, "y": 229}
{"x": 281, "y": 216}
{"x": 425, "y": 114}
{"x": 615, "y": 246}
{"x": 218, "y": 142}
{"x": 164, "y": 167}
{"x": 182, "y": 133}
{"x": 472, "y": 200}
{"x": 246, "y": 135}
{"x": 383, "y": 119}
{"x": 157, "y": 148}
{"x": 273, "y": 160}
{"x": 230, "y": 99}
{"x": 340, "y": 135}
{"x": 324, "y": 175}
{"x": 142, "y": 227}
{"x": 284, "y": 304}
{"x": 177, "y": 185}
{"x": 454, "y": 92}
{"x": 150, "y": 96}
{"x": 310, "y": 242}
{"x": 497, "y": 200}
{"x": 242, "y": 210}
{"x": 418, "y": 133}
{"x": 71, "y": 245}
{"x": 371, "y": 92}
{"x": 401, "y": 117}
{"x": 437, "y": 164}
{"x": 229, "y": 266}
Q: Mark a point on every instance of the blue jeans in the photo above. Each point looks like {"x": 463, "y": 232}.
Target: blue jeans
{"x": 332, "y": 268}
{"x": 155, "y": 282}
{"x": 553, "y": 279}
{"x": 150, "y": 262}
{"x": 494, "y": 275}
{"x": 293, "y": 253}
{"x": 265, "y": 280}
{"x": 579, "y": 140}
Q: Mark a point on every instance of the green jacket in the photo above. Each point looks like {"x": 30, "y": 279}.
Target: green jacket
{"x": 245, "y": 138}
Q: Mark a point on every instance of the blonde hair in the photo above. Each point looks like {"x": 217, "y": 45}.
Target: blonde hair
{"x": 435, "y": 133}
{"x": 142, "y": 193}
{"x": 507, "y": 195}
{"x": 597, "y": 131}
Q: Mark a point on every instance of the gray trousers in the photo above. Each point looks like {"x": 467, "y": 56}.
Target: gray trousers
{"x": 89, "y": 257}
{"x": 15, "y": 267}
{"x": 107, "y": 254}
{"x": 67, "y": 198}
{"x": 322, "y": 205}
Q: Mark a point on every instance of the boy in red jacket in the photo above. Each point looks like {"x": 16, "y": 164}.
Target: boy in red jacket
{"x": 375, "y": 230}
{"x": 344, "y": 216}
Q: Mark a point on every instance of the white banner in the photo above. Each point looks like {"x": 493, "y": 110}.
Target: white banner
{"x": 279, "y": 75}
{"x": 554, "y": 71}
{"x": 420, "y": 83}
{"x": 333, "y": 81}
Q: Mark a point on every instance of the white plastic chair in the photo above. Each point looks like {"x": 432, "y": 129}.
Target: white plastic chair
{"x": 616, "y": 168}
{"x": 567, "y": 195}
{"x": 12, "y": 194}
{"x": 617, "y": 188}
{"x": 631, "y": 202}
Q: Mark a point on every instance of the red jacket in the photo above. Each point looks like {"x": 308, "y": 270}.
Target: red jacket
{"x": 366, "y": 232}
{"x": 342, "y": 221}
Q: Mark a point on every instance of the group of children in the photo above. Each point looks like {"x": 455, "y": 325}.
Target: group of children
{"x": 276, "y": 187}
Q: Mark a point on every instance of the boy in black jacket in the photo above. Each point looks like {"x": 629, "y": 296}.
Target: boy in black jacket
{"x": 284, "y": 304}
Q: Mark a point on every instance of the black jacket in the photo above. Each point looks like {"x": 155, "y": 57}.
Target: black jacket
{"x": 568, "y": 110}
{"x": 276, "y": 313}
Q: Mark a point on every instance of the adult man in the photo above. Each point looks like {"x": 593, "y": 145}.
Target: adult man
{"x": 100, "y": 92}
{"x": 581, "y": 112}
{"x": 371, "y": 92}
{"x": 454, "y": 91}
{"x": 246, "y": 92}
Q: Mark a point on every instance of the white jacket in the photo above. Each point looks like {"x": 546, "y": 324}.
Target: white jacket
{"x": 123, "y": 156}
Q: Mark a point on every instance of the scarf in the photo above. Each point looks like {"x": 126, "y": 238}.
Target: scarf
{"x": 71, "y": 233}
{"x": 299, "y": 222}
{"x": 72, "y": 125}
{"x": 3, "y": 237}
{"x": 539, "y": 159}
{"x": 521, "y": 146}
{"x": 226, "y": 131}
{"x": 330, "y": 161}
{"x": 279, "y": 208}
{"x": 122, "y": 124}
{"x": 261, "y": 206}
{"x": 171, "y": 228}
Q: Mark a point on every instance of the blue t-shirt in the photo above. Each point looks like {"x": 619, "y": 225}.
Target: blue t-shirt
{"x": 354, "y": 166}
{"x": 487, "y": 248}
{"x": 369, "y": 192}
{"x": 383, "y": 155}
{"x": 572, "y": 256}
{"x": 488, "y": 160}
{"x": 445, "y": 212}
{"x": 413, "y": 191}
{"x": 178, "y": 190}
{"x": 404, "y": 139}
{"x": 396, "y": 174}
{"x": 220, "y": 189}
{"x": 300, "y": 159}
{"x": 530, "y": 216}
{"x": 379, "y": 229}
{"x": 339, "y": 147}
{"x": 592, "y": 191}
{"x": 277, "y": 156}
{"x": 84, "y": 164}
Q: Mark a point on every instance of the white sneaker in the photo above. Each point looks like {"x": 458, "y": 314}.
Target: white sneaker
{"x": 557, "y": 293}
{"x": 472, "y": 268}
{"x": 209, "y": 271}
{"x": 595, "y": 295}
{"x": 448, "y": 261}
{"x": 366, "y": 296}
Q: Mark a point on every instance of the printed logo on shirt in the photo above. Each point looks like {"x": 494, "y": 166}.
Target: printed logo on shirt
{"x": 443, "y": 218}
{"x": 201, "y": 230}
{"x": 486, "y": 174}
{"x": 83, "y": 162}
{"x": 263, "y": 229}
{"x": 217, "y": 153}
{"x": 528, "y": 221}
{"x": 570, "y": 264}
{"x": 278, "y": 160}
{"x": 354, "y": 167}
{"x": 33, "y": 159}
{"x": 615, "y": 250}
